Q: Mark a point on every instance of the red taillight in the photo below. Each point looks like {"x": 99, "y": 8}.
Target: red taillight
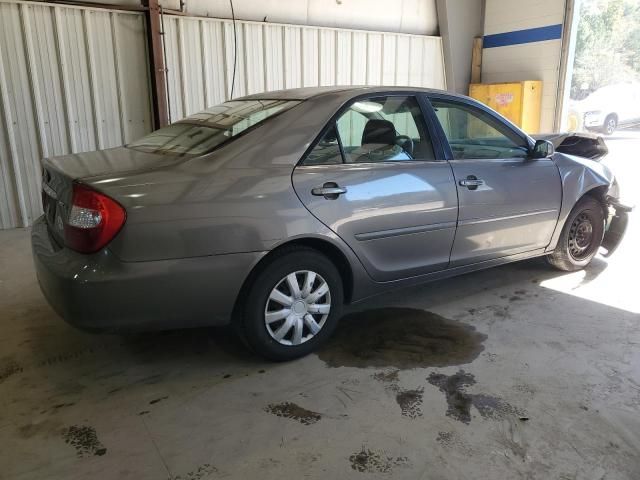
{"x": 94, "y": 219}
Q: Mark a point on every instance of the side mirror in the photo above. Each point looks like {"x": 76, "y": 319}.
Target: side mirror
{"x": 542, "y": 149}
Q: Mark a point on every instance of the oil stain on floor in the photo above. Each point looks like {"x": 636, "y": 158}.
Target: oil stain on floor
{"x": 203, "y": 471}
{"x": 459, "y": 402}
{"x": 8, "y": 369}
{"x": 388, "y": 376}
{"x": 293, "y": 411}
{"x": 401, "y": 338}
{"x": 84, "y": 439}
{"x": 368, "y": 461}
{"x": 410, "y": 402}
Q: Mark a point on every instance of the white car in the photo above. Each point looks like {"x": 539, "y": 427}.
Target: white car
{"x": 610, "y": 107}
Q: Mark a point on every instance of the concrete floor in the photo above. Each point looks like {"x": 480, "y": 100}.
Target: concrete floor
{"x": 515, "y": 372}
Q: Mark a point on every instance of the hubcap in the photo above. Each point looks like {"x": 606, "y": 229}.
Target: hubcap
{"x": 297, "y": 307}
{"x": 580, "y": 237}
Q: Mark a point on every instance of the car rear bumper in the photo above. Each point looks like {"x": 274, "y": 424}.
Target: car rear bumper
{"x": 100, "y": 292}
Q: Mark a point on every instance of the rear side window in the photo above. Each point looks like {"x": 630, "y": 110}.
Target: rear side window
{"x": 377, "y": 129}
{"x": 203, "y": 132}
{"x": 326, "y": 151}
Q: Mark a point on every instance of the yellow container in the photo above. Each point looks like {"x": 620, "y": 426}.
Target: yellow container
{"x": 520, "y": 102}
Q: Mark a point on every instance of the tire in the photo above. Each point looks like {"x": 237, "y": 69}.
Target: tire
{"x": 610, "y": 124}
{"x": 261, "y": 335}
{"x": 581, "y": 236}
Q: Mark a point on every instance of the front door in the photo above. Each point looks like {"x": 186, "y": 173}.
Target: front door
{"x": 509, "y": 203}
{"x": 374, "y": 180}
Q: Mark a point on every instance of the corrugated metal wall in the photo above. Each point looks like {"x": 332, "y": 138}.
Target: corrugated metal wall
{"x": 76, "y": 79}
{"x": 71, "y": 80}
{"x": 200, "y": 54}
{"x": 419, "y": 17}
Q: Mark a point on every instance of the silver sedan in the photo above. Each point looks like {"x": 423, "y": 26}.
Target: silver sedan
{"x": 270, "y": 212}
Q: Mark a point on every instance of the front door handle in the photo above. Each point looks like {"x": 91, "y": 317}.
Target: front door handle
{"x": 329, "y": 190}
{"x": 471, "y": 182}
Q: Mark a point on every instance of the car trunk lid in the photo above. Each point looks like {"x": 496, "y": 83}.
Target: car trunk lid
{"x": 60, "y": 173}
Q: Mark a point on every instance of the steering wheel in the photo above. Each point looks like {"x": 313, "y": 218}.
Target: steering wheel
{"x": 401, "y": 141}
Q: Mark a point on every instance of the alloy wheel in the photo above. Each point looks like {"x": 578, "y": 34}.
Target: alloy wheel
{"x": 297, "y": 307}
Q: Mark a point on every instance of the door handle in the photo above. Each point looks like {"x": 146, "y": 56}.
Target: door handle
{"x": 471, "y": 182}
{"x": 329, "y": 190}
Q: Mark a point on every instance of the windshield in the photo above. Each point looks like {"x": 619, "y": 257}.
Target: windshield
{"x": 204, "y": 131}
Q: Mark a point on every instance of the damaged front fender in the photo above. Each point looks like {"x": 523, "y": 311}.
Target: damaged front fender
{"x": 579, "y": 177}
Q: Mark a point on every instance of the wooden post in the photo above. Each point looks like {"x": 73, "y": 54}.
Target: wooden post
{"x": 156, "y": 64}
{"x": 476, "y": 60}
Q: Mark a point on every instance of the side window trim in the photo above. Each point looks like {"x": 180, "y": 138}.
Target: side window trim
{"x": 335, "y": 125}
{"x": 441, "y": 149}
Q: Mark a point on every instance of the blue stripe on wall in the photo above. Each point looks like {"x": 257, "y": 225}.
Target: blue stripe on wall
{"x": 550, "y": 32}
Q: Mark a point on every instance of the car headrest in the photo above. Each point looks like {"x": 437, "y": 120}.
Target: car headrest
{"x": 379, "y": 132}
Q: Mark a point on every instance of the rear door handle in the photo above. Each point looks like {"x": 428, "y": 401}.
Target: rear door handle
{"x": 329, "y": 190}
{"x": 471, "y": 182}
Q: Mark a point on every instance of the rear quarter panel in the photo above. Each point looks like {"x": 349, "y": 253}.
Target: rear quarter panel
{"x": 238, "y": 198}
{"x": 232, "y": 210}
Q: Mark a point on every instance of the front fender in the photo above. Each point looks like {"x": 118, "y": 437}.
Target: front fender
{"x": 579, "y": 177}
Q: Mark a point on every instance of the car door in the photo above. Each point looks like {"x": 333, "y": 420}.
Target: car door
{"x": 373, "y": 178}
{"x": 509, "y": 202}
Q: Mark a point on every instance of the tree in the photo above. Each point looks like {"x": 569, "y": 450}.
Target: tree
{"x": 607, "y": 45}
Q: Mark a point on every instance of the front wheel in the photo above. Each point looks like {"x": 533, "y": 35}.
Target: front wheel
{"x": 581, "y": 236}
{"x": 292, "y": 305}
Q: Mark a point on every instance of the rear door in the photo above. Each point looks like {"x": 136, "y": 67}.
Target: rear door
{"x": 509, "y": 203}
{"x": 374, "y": 179}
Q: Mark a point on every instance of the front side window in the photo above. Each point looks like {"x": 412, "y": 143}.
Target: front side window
{"x": 378, "y": 129}
{"x": 203, "y": 132}
{"x": 474, "y": 134}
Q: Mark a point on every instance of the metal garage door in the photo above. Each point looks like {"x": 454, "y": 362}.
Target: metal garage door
{"x": 200, "y": 54}
{"x": 71, "y": 80}
{"x": 75, "y": 79}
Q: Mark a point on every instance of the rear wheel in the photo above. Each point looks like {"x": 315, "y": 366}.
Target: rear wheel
{"x": 581, "y": 236}
{"x": 293, "y": 304}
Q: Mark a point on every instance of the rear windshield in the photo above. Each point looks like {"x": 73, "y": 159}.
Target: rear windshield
{"x": 204, "y": 131}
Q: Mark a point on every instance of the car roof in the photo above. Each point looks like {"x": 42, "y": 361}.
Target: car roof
{"x": 310, "y": 92}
